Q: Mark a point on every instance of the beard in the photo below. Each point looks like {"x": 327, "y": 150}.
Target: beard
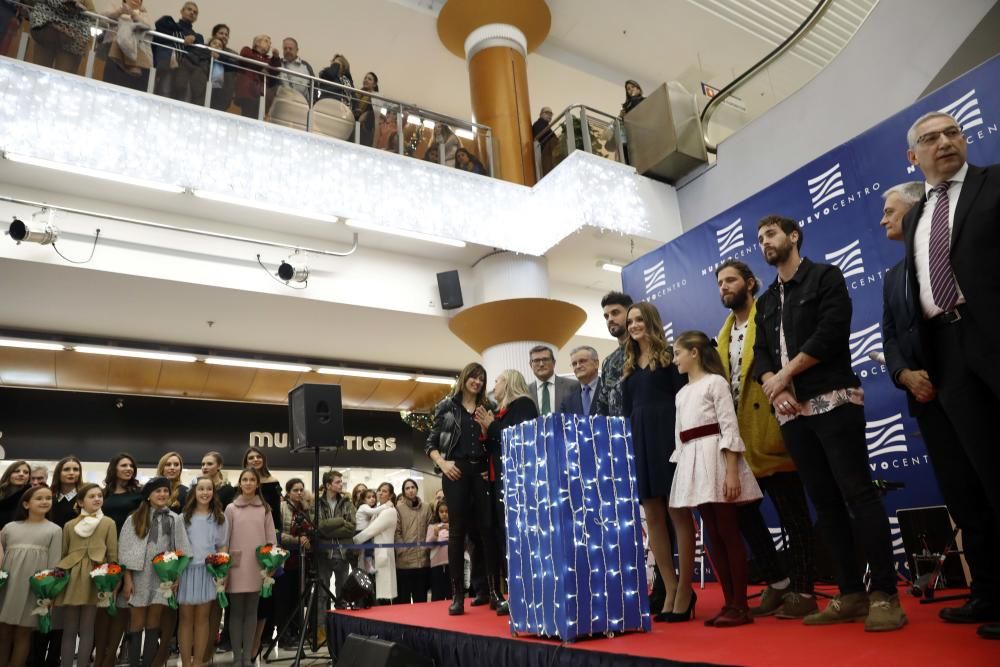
{"x": 781, "y": 253}
{"x": 736, "y": 301}
{"x": 616, "y": 330}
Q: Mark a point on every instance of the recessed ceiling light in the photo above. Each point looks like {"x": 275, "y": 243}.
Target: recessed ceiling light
{"x": 361, "y": 373}
{"x": 30, "y": 344}
{"x": 138, "y": 354}
{"x": 255, "y": 363}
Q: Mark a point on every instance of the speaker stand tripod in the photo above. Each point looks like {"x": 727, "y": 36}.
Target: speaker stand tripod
{"x": 311, "y": 594}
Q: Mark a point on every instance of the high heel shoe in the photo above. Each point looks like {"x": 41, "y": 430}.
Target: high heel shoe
{"x": 687, "y": 615}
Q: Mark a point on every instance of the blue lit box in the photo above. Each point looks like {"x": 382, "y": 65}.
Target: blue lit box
{"x": 574, "y": 537}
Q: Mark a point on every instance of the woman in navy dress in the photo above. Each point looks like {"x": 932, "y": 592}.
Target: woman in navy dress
{"x": 650, "y": 383}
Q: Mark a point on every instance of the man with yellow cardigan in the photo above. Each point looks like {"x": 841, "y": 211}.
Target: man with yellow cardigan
{"x": 789, "y": 593}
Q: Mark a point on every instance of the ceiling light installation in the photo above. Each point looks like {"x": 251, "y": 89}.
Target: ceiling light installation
{"x": 290, "y": 270}
{"x": 44, "y": 233}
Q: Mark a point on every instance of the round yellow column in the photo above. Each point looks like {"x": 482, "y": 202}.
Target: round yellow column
{"x": 495, "y": 36}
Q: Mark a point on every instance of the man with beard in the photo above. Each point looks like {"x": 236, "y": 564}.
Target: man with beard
{"x": 961, "y": 484}
{"x": 803, "y": 361}
{"x": 609, "y": 392}
{"x": 788, "y": 594}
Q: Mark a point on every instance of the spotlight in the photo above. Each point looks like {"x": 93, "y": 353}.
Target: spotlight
{"x": 20, "y": 231}
{"x": 291, "y": 273}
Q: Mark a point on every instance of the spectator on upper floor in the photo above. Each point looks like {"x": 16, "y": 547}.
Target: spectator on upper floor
{"x": 250, "y": 85}
{"x": 466, "y": 161}
{"x": 364, "y": 110}
{"x": 447, "y": 143}
{"x": 633, "y": 97}
{"x": 8, "y": 26}
{"x": 290, "y": 60}
{"x": 60, "y": 33}
{"x": 222, "y": 95}
{"x": 129, "y": 56}
{"x": 540, "y": 129}
{"x": 387, "y": 137}
{"x": 432, "y": 154}
{"x": 168, "y": 56}
{"x": 338, "y": 72}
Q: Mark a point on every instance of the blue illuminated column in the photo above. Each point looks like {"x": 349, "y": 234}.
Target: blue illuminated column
{"x": 574, "y": 538}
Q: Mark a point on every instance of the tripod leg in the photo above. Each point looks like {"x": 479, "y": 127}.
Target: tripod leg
{"x": 311, "y": 588}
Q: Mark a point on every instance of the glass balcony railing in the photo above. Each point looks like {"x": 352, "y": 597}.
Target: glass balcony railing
{"x": 578, "y": 128}
{"x": 256, "y": 85}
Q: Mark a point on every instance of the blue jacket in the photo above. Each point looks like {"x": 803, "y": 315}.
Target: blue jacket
{"x": 573, "y": 403}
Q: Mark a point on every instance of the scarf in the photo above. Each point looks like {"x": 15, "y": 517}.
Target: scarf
{"x": 161, "y": 521}
{"x": 88, "y": 523}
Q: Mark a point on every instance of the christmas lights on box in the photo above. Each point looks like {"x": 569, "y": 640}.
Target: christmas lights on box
{"x": 574, "y": 539}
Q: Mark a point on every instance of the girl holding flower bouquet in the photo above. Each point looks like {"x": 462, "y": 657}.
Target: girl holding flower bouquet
{"x": 150, "y": 530}
{"x": 251, "y": 525}
{"x": 207, "y": 531}
{"x": 30, "y": 543}
{"x": 87, "y": 541}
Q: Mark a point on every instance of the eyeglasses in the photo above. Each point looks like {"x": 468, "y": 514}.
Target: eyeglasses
{"x": 543, "y": 360}
{"x": 932, "y": 137}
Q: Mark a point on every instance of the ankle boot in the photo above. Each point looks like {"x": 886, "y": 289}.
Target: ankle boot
{"x": 457, "y": 607}
{"x": 496, "y": 598}
{"x": 150, "y": 644}
{"x": 134, "y": 640}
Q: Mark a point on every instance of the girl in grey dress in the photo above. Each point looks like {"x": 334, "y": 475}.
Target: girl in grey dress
{"x": 151, "y": 529}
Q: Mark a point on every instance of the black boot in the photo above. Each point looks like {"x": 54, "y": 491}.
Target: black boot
{"x": 482, "y": 597}
{"x": 134, "y": 640}
{"x": 150, "y": 646}
{"x": 457, "y": 607}
{"x": 496, "y": 598}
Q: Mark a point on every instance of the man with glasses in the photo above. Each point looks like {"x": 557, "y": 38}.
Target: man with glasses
{"x": 952, "y": 237}
{"x": 549, "y": 390}
{"x": 582, "y": 400}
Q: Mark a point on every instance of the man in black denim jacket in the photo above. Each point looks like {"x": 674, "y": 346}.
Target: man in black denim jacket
{"x": 802, "y": 360}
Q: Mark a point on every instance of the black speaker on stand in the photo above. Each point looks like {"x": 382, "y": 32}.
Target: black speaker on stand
{"x": 316, "y": 423}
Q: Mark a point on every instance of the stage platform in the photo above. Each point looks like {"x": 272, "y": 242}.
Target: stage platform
{"x": 480, "y": 639}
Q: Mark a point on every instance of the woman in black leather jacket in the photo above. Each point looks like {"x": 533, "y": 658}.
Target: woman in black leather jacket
{"x": 457, "y": 445}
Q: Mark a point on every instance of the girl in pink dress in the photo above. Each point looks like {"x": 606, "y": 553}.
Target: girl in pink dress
{"x": 711, "y": 473}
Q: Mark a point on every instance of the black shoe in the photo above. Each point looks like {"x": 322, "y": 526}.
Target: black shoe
{"x": 976, "y": 610}
{"x": 989, "y": 631}
{"x": 481, "y": 599}
{"x": 685, "y": 615}
{"x": 457, "y": 607}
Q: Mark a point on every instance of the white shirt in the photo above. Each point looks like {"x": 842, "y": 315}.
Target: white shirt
{"x": 292, "y": 81}
{"x": 922, "y": 241}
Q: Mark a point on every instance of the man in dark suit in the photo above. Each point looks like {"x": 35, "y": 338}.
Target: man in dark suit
{"x": 548, "y": 390}
{"x": 582, "y": 400}
{"x": 952, "y": 236}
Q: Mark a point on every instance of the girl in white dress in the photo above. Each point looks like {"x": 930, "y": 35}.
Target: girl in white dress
{"x": 711, "y": 473}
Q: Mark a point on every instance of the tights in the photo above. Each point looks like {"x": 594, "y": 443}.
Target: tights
{"x": 243, "y": 626}
{"x": 726, "y": 550}
{"x": 78, "y": 620}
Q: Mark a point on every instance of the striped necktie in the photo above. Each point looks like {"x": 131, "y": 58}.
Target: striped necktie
{"x": 943, "y": 285}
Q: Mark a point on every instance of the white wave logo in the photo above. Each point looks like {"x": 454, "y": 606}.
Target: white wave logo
{"x": 897, "y": 537}
{"x": 730, "y": 238}
{"x": 668, "y": 332}
{"x": 965, "y": 110}
{"x": 655, "y": 277}
{"x": 828, "y": 185}
{"x": 848, "y": 259}
{"x": 885, "y": 436}
{"x": 864, "y": 342}
{"x": 778, "y": 536}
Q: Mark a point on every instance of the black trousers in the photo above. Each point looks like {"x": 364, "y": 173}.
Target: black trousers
{"x": 830, "y": 452}
{"x": 468, "y": 497}
{"x": 412, "y": 584}
{"x": 789, "y": 498}
{"x": 967, "y": 467}
{"x": 440, "y": 583}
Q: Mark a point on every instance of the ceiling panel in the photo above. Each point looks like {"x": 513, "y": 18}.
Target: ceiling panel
{"x": 182, "y": 379}
{"x": 126, "y": 374}
{"x": 88, "y": 372}
{"x": 27, "y": 368}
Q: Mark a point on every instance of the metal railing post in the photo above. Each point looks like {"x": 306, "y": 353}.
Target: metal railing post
{"x": 208, "y": 84}
{"x": 441, "y": 151}
{"x": 88, "y": 70}
{"x": 585, "y": 131}
{"x": 570, "y": 134}
{"x": 22, "y": 46}
{"x": 309, "y": 113}
{"x": 151, "y": 85}
{"x": 538, "y": 160}
{"x": 619, "y": 128}
{"x": 489, "y": 150}
{"x": 399, "y": 130}
{"x": 357, "y": 132}
{"x": 262, "y": 102}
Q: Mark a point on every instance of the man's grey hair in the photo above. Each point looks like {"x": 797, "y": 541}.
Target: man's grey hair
{"x": 593, "y": 352}
{"x": 911, "y": 134}
{"x": 910, "y": 192}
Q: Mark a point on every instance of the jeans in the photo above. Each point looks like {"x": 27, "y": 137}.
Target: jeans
{"x": 830, "y": 452}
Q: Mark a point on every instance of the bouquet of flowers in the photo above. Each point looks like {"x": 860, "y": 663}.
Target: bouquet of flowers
{"x": 218, "y": 565}
{"x": 46, "y": 585}
{"x": 270, "y": 557}
{"x": 106, "y": 578}
{"x": 3, "y": 578}
{"x": 168, "y": 567}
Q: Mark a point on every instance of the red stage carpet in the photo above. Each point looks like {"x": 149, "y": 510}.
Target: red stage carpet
{"x": 924, "y": 641}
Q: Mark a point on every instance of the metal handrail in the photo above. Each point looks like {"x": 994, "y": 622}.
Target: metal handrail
{"x": 815, "y": 15}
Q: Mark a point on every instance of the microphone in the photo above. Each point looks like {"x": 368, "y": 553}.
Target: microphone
{"x": 877, "y": 357}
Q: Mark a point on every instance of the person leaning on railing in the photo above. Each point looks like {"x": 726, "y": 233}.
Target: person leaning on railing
{"x": 364, "y": 112}
{"x": 170, "y": 58}
{"x": 60, "y": 33}
{"x": 250, "y": 85}
{"x": 130, "y": 54}
{"x": 466, "y": 161}
{"x": 223, "y": 74}
{"x": 339, "y": 71}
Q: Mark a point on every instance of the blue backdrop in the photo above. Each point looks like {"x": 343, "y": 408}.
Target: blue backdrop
{"x": 837, "y": 201}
